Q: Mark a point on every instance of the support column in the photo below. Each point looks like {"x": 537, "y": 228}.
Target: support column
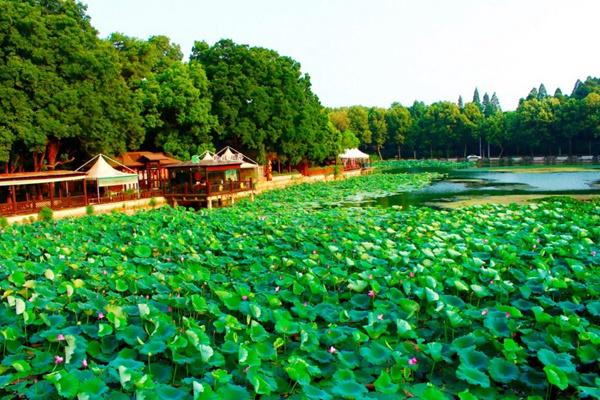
{"x": 85, "y": 198}
{"x": 14, "y": 199}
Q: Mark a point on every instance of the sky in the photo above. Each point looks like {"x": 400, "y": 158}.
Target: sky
{"x": 376, "y": 52}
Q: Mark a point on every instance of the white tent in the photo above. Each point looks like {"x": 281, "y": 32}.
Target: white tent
{"x": 354, "y": 154}
{"x": 230, "y": 154}
{"x": 105, "y": 175}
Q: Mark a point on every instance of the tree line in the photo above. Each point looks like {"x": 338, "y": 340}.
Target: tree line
{"x": 66, "y": 94}
{"x": 542, "y": 124}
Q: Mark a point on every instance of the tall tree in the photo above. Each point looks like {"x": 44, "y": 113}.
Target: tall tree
{"x": 262, "y": 100}
{"x": 542, "y": 92}
{"x": 378, "y": 128}
{"x": 558, "y": 92}
{"x": 495, "y": 103}
{"x": 359, "y": 124}
{"x": 476, "y": 99}
{"x": 399, "y": 123}
{"x": 487, "y": 106}
{"x": 62, "y": 89}
{"x": 460, "y": 102}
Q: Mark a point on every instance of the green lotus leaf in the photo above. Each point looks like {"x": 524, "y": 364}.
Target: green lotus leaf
{"x": 556, "y": 376}
{"x": 593, "y": 308}
{"x": 561, "y": 360}
{"x": 257, "y": 332}
{"x": 435, "y": 350}
{"x": 384, "y": 384}
{"x": 348, "y": 389}
{"x": 230, "y": 391}
{"x": 262, "y": 383}
{"x": 153, "y": 347}
{"x": 503, "y": 371}
{"x": 497, "y": 324}
{"x": 472, "y": 375}
{"x": 142, "y": 251}
{"x": 66, "y": 384}
{"x": 315, "y": 393}
{"x": 433, "y": 393}
{"x": 474, "y": 358}
{"x": 21, "y": 366}
{"x": 92, "y": 388}
{"x": 299, "y": 370}
{"x": 587, "y": 391}
{"x": 466, "y": 395}
{"x": 376, "y": 353}
{"x": 104, "y": 329}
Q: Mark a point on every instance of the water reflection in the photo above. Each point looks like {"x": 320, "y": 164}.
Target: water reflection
{"x": 466, "y": 184}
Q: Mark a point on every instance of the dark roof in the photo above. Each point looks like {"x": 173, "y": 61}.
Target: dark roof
{"x": 138, "y": 158}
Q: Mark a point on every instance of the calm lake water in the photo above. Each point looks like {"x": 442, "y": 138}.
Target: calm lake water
{"x": 466, "y": 184}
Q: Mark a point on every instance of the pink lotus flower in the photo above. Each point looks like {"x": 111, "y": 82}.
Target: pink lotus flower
{"x": 413, "y": 361}
{"x": 507, "y": 315}
{"x": 100, "y": 315}
{"x": 277, "y": 289}
{"x": 84, "y": 363}
{"x": 593, "y": 253}
{"x": 60, "y": 337}
{"x": 484, "y": 312}
{"x": 492, "y": 282}
{"x": 371, "y": 294}
{"x": 314, "y": 252}
{"x": 380, "y": 317}
{"x": 412, "y": 274}
{"x": 169, "y": 309}
{"x": 370, "y": 276}
{"x": 245, "y": 298}
{"x": 332, "y": 350}
{"x": 306, "y": 304}
{"x": 58, "y": 360}
{"x": 104, "y": 272}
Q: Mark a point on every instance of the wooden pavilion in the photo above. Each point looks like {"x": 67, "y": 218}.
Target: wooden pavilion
{"x": 150, "y": 166}
{"x": 205, "y": 181}
{"x": 28, "y": 192}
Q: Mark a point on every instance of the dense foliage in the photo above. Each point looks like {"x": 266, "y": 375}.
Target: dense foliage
{"x": 65, "y": 94}
{"x": 541, "y": 125}
{"x": 303, "y": 302}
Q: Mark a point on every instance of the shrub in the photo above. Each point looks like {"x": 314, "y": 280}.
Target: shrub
{"x": 3, "y": 222}
{"x": 89, "y": 210}
{"x": 46, "y": 214}
{"x": 152, "y": 203}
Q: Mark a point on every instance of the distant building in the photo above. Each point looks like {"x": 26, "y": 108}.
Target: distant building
{"x": 151, "y": 167}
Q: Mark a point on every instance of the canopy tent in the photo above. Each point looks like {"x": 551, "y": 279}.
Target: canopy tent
{"x": 230, "y": 154}
{"x": 104, "y": 175}
{"x": 354, "y": 154}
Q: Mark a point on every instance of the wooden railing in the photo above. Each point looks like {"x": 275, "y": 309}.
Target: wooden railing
{"x": 34, "y": 206}
{"x": 210, "y": 189}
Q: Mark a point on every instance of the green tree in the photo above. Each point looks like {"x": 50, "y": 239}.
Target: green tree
{"x": 399, "y": 123}
{"x": 443, "y": 122}
{"x": 178, "y": 118}
{"x": 476, "y": 99}
{"x": 62, "y": 91}
{"x": 359, "y": 123}
{"x": 472, "y": 126}
{"x": 542, "y": 92}
{"x": 378, "y": 128}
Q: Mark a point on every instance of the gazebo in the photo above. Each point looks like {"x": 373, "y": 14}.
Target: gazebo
{"x": 107, "y": 177}
{"x": 354, "y": 159}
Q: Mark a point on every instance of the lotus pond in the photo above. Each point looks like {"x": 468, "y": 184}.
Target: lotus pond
{"x": 281, "y": 299}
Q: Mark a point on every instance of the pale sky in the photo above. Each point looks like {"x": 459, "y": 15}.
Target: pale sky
{"x": 375, "y": 52}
